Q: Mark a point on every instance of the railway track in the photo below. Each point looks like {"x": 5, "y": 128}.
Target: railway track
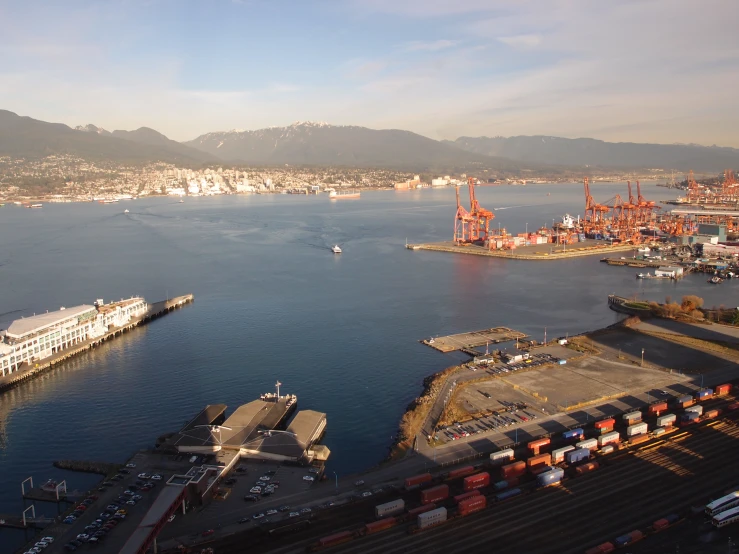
{"x": 629, "y": 491}
{"x": 592, "y": 508}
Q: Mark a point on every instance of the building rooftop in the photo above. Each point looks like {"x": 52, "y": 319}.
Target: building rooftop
{"x": 33, "y": 324}
{"x": 307, "y": 426}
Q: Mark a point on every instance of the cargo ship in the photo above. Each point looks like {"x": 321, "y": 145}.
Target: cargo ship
{"x": 344, "y": 194}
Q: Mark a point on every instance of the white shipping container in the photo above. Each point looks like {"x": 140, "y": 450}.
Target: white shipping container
{"x": 698, "y": 409}
{"x": 638, "y": 429}
{"x": 607, "y": 449}
{"x": 427, "y": 519}
{"x": 607, "y": 438}
{"x": 502, "y": 456}
{"x": 390, "y": 508}
{"x": 558, "y": 455}
{"x": 632, "y": 416}
{"x": 590, "y": 444}
{"x": 659, "y": 431}
{"x": 666, "y": 420}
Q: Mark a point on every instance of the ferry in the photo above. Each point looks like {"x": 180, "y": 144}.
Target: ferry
{"x": 335, "y": 249}
{"x": 344, "y": 194}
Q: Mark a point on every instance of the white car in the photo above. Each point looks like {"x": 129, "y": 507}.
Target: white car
{"x": 83, "y": 537}
{"x": 308, "y": 478}
{"x": 271, "y": 512}
{"x": 156, "y": 477}
{"x": 305, "y": 511}
{"x": 131, "y": 465}
{"x": 48, "y": 539}
{"x": 265, "y": 478}
{"x": 144, "y": 476}
{"x": 293, "y": 514}
{"x": 256, "y": 490}
{"x": 365, "y": 494}
{"x": 41, "y": 544}
{"x": 171, "y": 518}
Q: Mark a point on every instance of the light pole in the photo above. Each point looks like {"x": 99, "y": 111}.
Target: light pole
{"x": 337, "y": 482}
{"x": 527, "y": 229}
{"x": 642, "y": 357}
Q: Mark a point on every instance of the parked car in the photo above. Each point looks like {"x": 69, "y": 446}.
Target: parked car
{"x": 130, "y": 464}
{"x": 170, "y": 519}
{"x": 156, "y": 477}
{"x": 308, "y": 478}
{"x": 271, "y": 512}
{"x": 251, "y": 498}
{"x": 208, "y": 532}
{"x": 244, "y": 520}
{"x": 260, "y": 515}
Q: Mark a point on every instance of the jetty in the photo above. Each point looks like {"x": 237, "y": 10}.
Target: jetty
{"x": 537, "y": 252}
{"x": 466, "y": 342}
{"x": 154, "y": 311}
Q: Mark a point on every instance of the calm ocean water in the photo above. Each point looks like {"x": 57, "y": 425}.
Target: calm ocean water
{"x": 272, "y": 302}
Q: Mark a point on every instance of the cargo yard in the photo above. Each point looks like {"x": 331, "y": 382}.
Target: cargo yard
{"x": 618, "y": 224}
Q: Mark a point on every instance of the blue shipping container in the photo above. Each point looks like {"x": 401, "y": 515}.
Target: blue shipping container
{"x": 508, "y": 494}
{"x": 550, "y": 477}
{"x": 500, "y": 485}
{"x": 623, "y": 540}
{"x": 572, "y": 433}
{"x": 574, "y": 456}
{"x": 705, "y": 393}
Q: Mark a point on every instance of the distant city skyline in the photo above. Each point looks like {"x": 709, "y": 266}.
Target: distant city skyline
{"x": 663, "y": 71}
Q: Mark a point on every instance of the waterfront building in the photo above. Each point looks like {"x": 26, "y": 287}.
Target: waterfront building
{"x": 32, "y": 339}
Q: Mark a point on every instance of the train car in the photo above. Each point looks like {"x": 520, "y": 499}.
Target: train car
{"x": 726, "y": 518}
{"x": 507, "y": 495}
{"x": 722, "y": 504}
{"x": 589, "y": 444}
{"x": 665, "y": 522}
{"x": 552, "y": 476}
{"x": 461, "y": 472}
{"x": 632, "y": 417}
{"x": 434, "y": 494}
{"x": 332, "y": 540}
{"x": 417, "y": 480}
{"x": 722, "y": 389}
{"x": 636, "y": 429}
{"x": 431, "y": 518}
{"x": 466, "y": 495}
{"x": 605, "y": 548}
{"x": 477, "y": 481}
{"x": 577, "y": 455}
{"x": 608, "y": 438}
{"x": 390, "y": 508}
{"x": 628, "y": 538}
{"x": 472, "y": 505}
{"x": 377, "y": 526}
{"x": 501, "y": 457}
{"x": 539, "y": 461}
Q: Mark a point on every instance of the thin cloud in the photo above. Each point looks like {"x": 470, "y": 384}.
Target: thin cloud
{"x": 429, "y": 46}
{"x": 521, "y": 41}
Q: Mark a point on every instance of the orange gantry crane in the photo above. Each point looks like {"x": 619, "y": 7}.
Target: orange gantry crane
{"x": 473, "y": 225}
{"x": 595, "y": 214}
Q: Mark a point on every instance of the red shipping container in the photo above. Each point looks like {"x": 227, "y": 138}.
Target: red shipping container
{"x": 733, "y": 406}
{"x": 638, "y": 439}
{"x": 539, "y": 443}
{"x": 421, "y": 510}
{"x": 434, "y": 494}
{"x": 586, "y": 468}
{"x": 723, "y": 389}
{"x": 337, "y": 538}
{"x": 605, "y": 423}
{"x": 513, "y": 481}
{"x": 605, "y": 548}
{"x": 380, "y": 525}
{"x": 465, "y": 496}
{"x": 476, "y": 481}
{"x": 516, "y": 469}
{"x": 657, "y": 408}
{"x": 660, "y": 524}
{"x": 472, "y": 505}
{"x": 540, "y": 460}
{"x": 461, "y": 472}
{"x": 417, "y": 480}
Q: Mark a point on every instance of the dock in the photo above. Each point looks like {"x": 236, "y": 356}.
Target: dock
{"x": 15, "y": 522}
{"x": 156, "y": 309}
{"x": 537, "y": 252}
{"x": 466, "y": 342}
{"x": 42, "y": 495}
{"x": 632, "y": 262}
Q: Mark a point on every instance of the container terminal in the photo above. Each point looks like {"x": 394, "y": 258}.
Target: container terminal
{"x": 609, "y": 425}
{"x": 616, "y": 225}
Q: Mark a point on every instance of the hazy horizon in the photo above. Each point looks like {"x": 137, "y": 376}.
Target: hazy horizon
{"x": 652, "y": 71}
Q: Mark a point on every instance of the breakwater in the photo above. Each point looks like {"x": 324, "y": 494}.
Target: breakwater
{"x": 86, "y": 466}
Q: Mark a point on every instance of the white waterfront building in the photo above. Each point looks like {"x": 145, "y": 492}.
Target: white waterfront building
{"x": 31, "y": 339}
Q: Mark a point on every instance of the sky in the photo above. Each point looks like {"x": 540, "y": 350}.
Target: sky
{"x": 620, "y": 70}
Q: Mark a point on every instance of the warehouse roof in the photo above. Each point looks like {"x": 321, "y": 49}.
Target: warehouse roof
{"x": 33, "y": 324}
{"x": 307, "y": 426}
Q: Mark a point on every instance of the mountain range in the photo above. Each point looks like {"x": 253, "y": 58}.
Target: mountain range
{"x": 306, "y": 143}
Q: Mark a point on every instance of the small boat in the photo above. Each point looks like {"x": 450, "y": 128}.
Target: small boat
{"x": 125, "y": 211}
{"x": 335, "y": 249}
{"x": 643, "y": 275}
{"x": 715, "y": 280}
{"x": 36, "y": 206}
{"x": 181, "y": 201}
{"x": 644, "y": 249}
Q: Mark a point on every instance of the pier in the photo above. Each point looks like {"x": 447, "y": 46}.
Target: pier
{"x": 156, "y": 309}
{"x": 533, "y": 252}
{"x": 632, "y": 262}
{"x": 466, "y": 342}
{"x": 14, "y": 522}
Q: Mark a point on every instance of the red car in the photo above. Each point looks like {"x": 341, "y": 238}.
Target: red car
{"x": 208, "y": 532}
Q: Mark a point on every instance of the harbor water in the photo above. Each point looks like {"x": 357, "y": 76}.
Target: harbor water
{"x": 273, "y": 302}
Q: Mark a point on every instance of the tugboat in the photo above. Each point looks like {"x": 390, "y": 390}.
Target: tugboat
{"x": 335, "y": 249}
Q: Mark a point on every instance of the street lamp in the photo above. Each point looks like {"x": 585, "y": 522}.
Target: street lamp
{"x": 642, "y": 357}
{"x": 337, "y": 482}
